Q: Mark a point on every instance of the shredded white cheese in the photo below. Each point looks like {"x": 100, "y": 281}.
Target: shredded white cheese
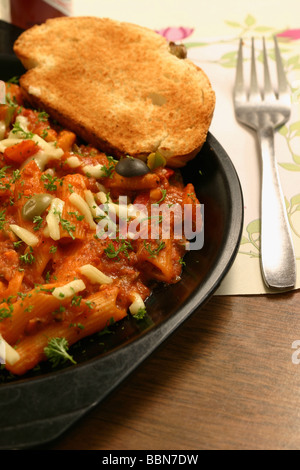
{"x": 95, "y": 275}
{"x": 53, "y": 219}
{"x": 24, "y": 123}
{"x": 101, "y": 187}
{"x": 90, "y": 200}
{"x": 8, "y": 143}
{"x": 7, "y": 353}
{"x": 94, "y": 208}
{"x": 25, "y": 235}
{"x": 48, "y": 150}
{"x": 103, "y": 198}
{"x": 137, "y": 304}
{"x": 68, "y": 290}
{"x": 73, "y": 162}
{"x": 122, "y": 210}
{"x": 84, "y": 208}
{"x": 96, "y": 171}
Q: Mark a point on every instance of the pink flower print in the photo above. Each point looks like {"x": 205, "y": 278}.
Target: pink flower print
{"x": 292, "y": 34}
{"x": 175, "y": 34}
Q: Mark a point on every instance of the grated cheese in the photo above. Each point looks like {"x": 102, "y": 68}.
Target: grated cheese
{"x": 68, "y": 290}
{"x": 73, "y": 162}
{"x": 95, "y": 275}
{"x": 90, "y": 200}
{"x": 48, "y": 151}
{"x": 25, "y": 235}
{"x": 53, "y": 219}
{"x": 137, "y": 304}
{"x": 8, "y": 353}
{"x": 84, "y": 208}
{"x": 96, "y": 171}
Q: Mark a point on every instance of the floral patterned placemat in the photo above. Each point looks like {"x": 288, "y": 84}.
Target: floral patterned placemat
{"x": 218, "y": 56}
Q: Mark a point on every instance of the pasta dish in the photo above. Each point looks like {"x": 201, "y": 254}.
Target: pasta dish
{"x": 63, "y": 276}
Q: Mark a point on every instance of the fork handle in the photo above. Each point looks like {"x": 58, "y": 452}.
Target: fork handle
{"x": 277, "y": 252}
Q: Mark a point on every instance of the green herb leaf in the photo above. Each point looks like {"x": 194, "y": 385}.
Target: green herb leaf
{"x": 2, "y": 219}
{"x": 66, "y": 225}
{"x": 28, "y": 258}
{"x": 17, "y": 129}
{"x": 6, "y": 312}
{"x": 57, "y": 351}
{"x": 141, "y": 313}
{"x": 50, "y": 182}
{"x": 113, "y": 253}
{"x": 38, "y": 220}
{"x": 154, "y": 252}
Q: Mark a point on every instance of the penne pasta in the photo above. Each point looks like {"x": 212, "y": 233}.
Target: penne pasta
{"x": 103, "y": 313}
{"x": 84, "y": 209}
{"x": 76, "y": 252}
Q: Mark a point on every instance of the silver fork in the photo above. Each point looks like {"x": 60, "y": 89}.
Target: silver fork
{"x": 264, "y": 112}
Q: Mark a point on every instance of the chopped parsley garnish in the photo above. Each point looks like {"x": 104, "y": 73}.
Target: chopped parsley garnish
{"x": 2, "y": 176}
{"x": 50, "y": 182}
{"x": 68, "y": 227}
{"x": 6, "y": 312}
{"x": 77, "y": 215}
{"x": 164, "y": 193}
{"x": 141, "y": 313}
{"x": 57, "y": 351}
{"x": 16, "y": 175}
{"x": 154, "y": 252}
{"x": 28, "y": 258}
{"x": 10, "y": 102}
{"x": 38, "y": 220}
{"x": 77, "y": 325}
{"x": 3, "y": 171}
{"x": 76, "y": 300}
{"x": 90, "y": 304}
{"x": 17, "y": 129}
{"x": 14, "y": 80}
{"x": 18, "y": 244}
{"x": 44, "y": 133}
{"x": 113, "y": 253}
{"x": 43, "y": 116}
{"x": 29, "y": 308}
{"x": 2, "y": 219}
{"x": 182, "y": 262}
{"x": 108, "y": 170}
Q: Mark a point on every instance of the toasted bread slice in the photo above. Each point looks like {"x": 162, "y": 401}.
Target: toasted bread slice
{"x": 118, "y": 86}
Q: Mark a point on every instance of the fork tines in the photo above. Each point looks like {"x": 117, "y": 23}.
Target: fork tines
{"x": 255, "y": 93}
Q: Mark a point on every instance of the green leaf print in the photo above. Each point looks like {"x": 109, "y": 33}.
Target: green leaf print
{"x": 290, "y": 133}
{"x": 292, "y": 207}
{"x": 250, "y": 20}
{"x": 252, "y": 239}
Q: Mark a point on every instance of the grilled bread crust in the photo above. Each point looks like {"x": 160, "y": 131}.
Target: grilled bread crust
{"x": 117, "y": 86}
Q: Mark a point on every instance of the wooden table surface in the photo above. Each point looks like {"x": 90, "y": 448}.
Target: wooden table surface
{"x": 223, "y": 380}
